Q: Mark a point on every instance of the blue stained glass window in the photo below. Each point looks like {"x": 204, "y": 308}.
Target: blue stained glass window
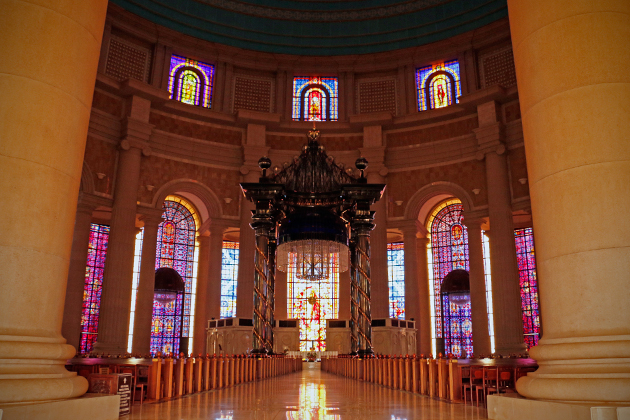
{"x": 396, "y": 279}
{"x": 97, "y": 251}
{"x": 315, "y": 99}
{"x": 229, "y": 277}
{"x": 190, "y": 81}
{"x": 449, "y": 246}
{"x": 438, "y": 85}
{"x": 176, "y": 246}
{"x": 526, "y": 259}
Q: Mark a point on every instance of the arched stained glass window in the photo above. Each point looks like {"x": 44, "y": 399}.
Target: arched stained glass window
{"x": 526, "y": 259}
{"x": 229, "y": 277}
{"x": 449, "y": 251}
{"x": 190, "y": 81}
{"x": 172, "y": 322}
{"x": 396, "y": 279}
{"x": 97, "y": 251}
{"x": 438, "y": 85}
{"x": 312, "y": 303}
{"x": 315, "y": 99}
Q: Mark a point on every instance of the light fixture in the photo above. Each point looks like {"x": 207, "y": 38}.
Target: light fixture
{"x": 476, "y": 191}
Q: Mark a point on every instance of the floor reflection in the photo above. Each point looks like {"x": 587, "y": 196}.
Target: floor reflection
{"x": 307, "y": 395}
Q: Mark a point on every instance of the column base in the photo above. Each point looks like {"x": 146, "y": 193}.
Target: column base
{"x": 90, "y": 406}
{"x": 515, "y": 407}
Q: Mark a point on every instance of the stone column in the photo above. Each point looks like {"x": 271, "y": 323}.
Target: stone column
{"x": 576, "y": 138}
{"x": 478, "y": 303}
{"x": 113, "y": 327}
{"x": 73, "y": 308}
{"x": 374, "y": 151}
{"x": 412, "y": 282}
{"x": 208, "y": 284}
{"x": 253, "y": 149}
{"x": 423, "y": 324}
{"x": 508, "y": 325}
{"x": 143, "y": 312}
{"x": 202, "y": 304}
{"x": 44, "y": 116}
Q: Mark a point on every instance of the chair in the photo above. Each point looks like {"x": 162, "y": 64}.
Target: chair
{"x": 504, "y": 384}
{"x": 490, "y": 375}
{"x": 475, "y": 378}
{"x": 135, "y": 385}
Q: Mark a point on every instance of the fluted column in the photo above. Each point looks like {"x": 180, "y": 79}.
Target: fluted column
{"x": 113, "y": 327}
{"x": 572, "y": 69}
{"x": 143, "y": 313}
{"x": 73, "y": 308}
{"x": 44, "y": 114}
{"x": 478, "y": 302}
{"x": 423, "y": 324}
{"x": 508, "y": 326}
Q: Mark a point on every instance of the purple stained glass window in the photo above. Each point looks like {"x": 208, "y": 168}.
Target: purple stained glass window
{"x": 315, "y": 99}
{"x": 526, "y": 259}
{"x": 449, "y": 246}
{"x": 190, "y": 81}
{"x": 438, "y": 85}
{"x": 176, "y": 250}
{"x": 97, "y": 251}
{"x": 229, "y": 277}
{"x": 396, "y": 279}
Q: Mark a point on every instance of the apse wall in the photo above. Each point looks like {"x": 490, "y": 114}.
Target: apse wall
{"x": 251, "y": 116}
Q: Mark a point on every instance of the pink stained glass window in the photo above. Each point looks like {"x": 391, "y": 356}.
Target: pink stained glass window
{"x": 449, "y": 247}
{"x": 315, "y": 99}
{"x": 438, "y": 85}
{"x": 312, "y": 303}
{"x": 190, "y": 81}
{"x": 396, "y": 279}
{"x": 526, "y": 259}
{"x": 97, "y": 251}
{"x": 175, "y": 249}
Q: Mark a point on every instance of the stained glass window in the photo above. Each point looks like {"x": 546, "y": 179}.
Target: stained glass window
{"x": 438, "y": 85}
{"x": 190, "y": 81}
{"x": 449, "y": 251}
{"x": 315, "y": 99}
{"x": 137, "y": 260}
{"x": 396, "y": 279}
{"x": 176, "y": 249}
{"x": 97, "y": 251}
{"x": 229, "y": 276}
{"x": 312, "y": 303}
{"x": 485, "y": 241}
{"x": 526, "y": 259}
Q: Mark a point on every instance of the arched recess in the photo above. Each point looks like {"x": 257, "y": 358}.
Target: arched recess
{"x": 87, "y": 179}
{"x": 423, "y": 201}
{"x": 202, "y": 197}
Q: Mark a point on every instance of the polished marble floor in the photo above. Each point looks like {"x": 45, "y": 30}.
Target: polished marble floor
{"x": 307, "y": 395}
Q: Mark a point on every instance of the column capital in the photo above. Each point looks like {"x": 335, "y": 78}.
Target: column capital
{"x": 214, "y": 226}
{"x": 411, "y": 227}
{"x": 151, "y": 217}
{"x": 491, "y": 138}
{"x": 136, "y": 133}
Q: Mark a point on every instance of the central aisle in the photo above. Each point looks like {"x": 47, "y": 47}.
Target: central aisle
{"x": 307, "y": 395}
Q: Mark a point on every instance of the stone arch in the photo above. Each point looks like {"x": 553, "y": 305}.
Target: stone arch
{"x": 202, "y": 197}
{"x": 422, "y": 198}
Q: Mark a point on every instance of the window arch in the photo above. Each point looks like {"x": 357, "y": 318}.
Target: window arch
{"x": 172, "y": 322}
{"x": 315, "y": 99}
{"x": 438, "y": 85}
{"x": 448, "y": 252}
{"x": 190, "y": 81}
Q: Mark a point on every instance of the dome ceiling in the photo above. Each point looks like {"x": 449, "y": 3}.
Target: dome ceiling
{"x": 329, "y": 27}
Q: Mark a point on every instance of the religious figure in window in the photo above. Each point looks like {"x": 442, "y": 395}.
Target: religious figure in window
{"x": 190, "y": 81}
{"x": 315, "y": 99}
{"x": 438, "y": 85}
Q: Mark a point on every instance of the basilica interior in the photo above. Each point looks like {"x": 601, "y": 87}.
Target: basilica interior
{"x": 390, "y": 191}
